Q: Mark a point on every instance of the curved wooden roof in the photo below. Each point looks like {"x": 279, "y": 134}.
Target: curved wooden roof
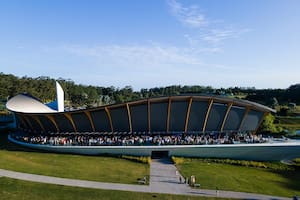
{"x": 162, "y": 114}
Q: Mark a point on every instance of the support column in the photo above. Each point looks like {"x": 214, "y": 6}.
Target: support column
{"x": 260, "y": 121}
{"x": 109, "y": 118}
{"x": 37, "y": 119}
{"x": 207, "y": 114}
{"x": 244, "y": 117}
{"x": 168, "y": 116}
{"x": 51, "y": 118}
{"x": 88, "y": 114}
{"x": 129, "y": 117}
{"x": 28, "y": 122}
{"x": 188, "y": 114}
{"x": 229, "y": 105}
{"x": 69, "y": 117}
{"x": 149, "y": 115}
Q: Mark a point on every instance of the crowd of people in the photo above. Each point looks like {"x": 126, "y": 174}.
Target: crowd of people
{"x": 139, "y": 140}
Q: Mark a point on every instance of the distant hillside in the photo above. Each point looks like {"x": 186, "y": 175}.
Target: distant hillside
{"x": 82, "y": 95}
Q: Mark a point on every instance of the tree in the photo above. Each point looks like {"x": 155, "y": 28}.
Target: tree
{"x": 268, "y": 125}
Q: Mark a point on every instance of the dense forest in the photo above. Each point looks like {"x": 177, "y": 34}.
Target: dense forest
{"x": 89, "y": 96}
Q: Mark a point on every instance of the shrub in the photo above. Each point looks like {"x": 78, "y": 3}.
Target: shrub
{"x": 297, "y": 161}
{"x": 140, "y": 159}
{"x": 178, "y": 160}
{"x": 246, "y": 163}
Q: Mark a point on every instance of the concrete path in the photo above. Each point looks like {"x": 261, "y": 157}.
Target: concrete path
{"x": 73, "y": 182}
{"x": 163, "y": 179}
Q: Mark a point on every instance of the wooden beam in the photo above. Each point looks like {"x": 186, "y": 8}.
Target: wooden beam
{"x": 202, "y": 98}
{"x": 129, "y": 117}
{"x": 244, "y": 117}
{"x": 138, "y": 102}
{"x": 23, "y": 121}
{"x": 149, "y": 115}
{"x": 28, "y": 122}
{"x": 210, "y": 103}
{"x": 168, "y": 116}
{"x": 51, "y": 118}
{"x": 229, "y": 105}
{"x": 188, "y": 114}
{"x": 88, "y": 114}
{"x": 69, "y": 117}
{"x": 260, "y": 121}
{"x": 37, "y": 119}
{"x": 109, "y": 118}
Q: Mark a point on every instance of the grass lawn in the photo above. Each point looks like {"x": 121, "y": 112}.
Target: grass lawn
{"x": 241, "y": 178}
{"x": 291, "y": 123}
{"x": 289, "y": 120}
{"x": 15, "y": 190}
{"x": 94, "y": 168}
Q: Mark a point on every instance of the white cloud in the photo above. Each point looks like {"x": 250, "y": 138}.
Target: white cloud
{"x": 151, "y": 64}
{"x": 190, "y": 16}
{"x": 137, "y": 55}
{"x": 204, "y": 31}
{"x": 216, "y": 36}
{"x": 146, "y": 65}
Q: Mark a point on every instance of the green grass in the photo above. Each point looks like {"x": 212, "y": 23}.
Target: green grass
{"x": 15, "y": 190}
{"x": 94, "y": 168}
{"x": 245, "y": 163}
{"x": 290, "y": 123}
{"x": 297, "y": 111}
{"x": 297, "y": 161}
{"x": 289, "y": 120}
{"x": 241, "y": 178}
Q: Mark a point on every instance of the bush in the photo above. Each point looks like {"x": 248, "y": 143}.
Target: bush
{"x": 141, "y": 159}
{"x": 246, "y": 163}
{"x": 256, "y": 164}
{"x": 297, "y": 161}
{"x": 178, "y": 160}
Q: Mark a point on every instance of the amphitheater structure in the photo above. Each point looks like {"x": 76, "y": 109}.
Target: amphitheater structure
{"x": 173, "y": 115}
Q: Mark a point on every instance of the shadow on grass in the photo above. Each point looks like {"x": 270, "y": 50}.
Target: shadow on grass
{"x": 293, "y": 177}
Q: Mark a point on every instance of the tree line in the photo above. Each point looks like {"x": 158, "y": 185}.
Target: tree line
{"x": 87, "y": 95}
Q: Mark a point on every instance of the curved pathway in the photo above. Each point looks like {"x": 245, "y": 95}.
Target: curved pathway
{"x": 164, "y": 178}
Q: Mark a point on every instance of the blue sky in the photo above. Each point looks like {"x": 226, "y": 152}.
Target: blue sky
{"x": 153, "y": 43}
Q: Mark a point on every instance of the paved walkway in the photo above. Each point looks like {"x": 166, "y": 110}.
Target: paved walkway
{"x": 164, "y": 178}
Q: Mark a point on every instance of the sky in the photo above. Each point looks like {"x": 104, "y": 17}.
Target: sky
{"x": 153, "y": 43}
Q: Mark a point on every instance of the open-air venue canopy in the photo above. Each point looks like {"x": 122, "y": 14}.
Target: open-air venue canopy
{"x": 185, "y": 114}
{"x": 173, "y": 116}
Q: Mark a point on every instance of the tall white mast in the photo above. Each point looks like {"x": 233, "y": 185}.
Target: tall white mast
{"x": 60, "y": 98}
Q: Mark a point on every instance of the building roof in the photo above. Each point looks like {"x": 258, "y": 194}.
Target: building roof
{"x": 26, "y": 104}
